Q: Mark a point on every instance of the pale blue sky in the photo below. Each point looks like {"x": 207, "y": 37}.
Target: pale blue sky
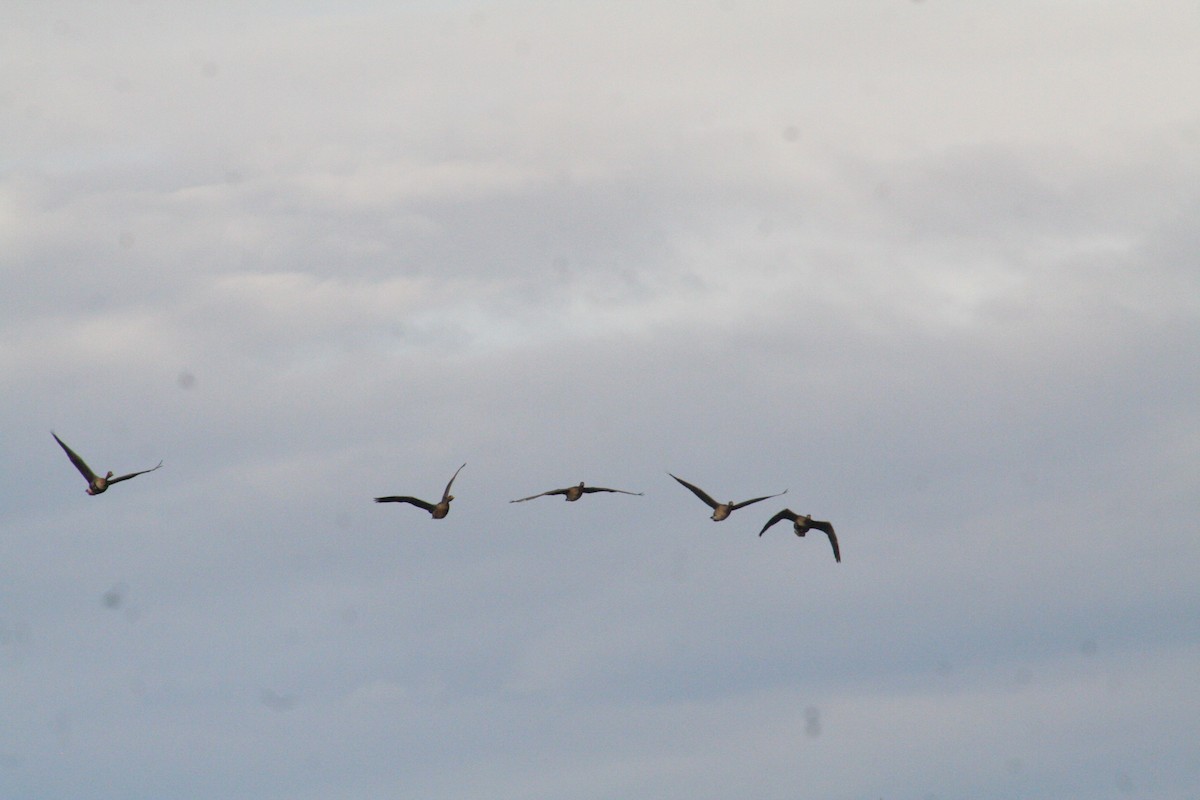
{"x": 930, "y": 267}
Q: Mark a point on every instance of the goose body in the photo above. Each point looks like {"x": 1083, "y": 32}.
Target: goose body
{"x": 802, "y": 524}
{"x": 436, "y": 510}
{"x": 721, "y": 510}
{"x": 97, "y": 484}
{"x": 573, "y": 493}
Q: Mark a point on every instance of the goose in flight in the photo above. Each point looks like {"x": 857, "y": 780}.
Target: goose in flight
{"x": 437, "y": 511}
{"x": 721, "y": 510}
{"x": 96, "y": 483}
{"x": 573, "y": 493}
{"x": 802, "y": 524}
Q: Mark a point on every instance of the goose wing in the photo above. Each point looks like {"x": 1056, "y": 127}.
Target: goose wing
{"x": 821, "y": 525}
{"x": 111, "y": 481}
{"x": 696, "y": 490}
{"x": 787, "y": 514}
{"x": 745, "y": 503}
{"x": 419, "y": 503}
{"x": 446, "y": 493}
{"x": 83, "y": 468}
{"x": 542, "y": 494}
{"x": 590, "y": 489}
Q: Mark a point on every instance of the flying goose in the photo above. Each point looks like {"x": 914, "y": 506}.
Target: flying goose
{"x": 802, "y": 524}
{"x": 722, "y": 510}
{"x": 573, "y": 493}
{"x": 96, "y": 484}
{"x": 436, "y": 511}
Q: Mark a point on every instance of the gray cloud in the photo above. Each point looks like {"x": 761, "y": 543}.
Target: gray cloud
{"x": 927, "y": 268}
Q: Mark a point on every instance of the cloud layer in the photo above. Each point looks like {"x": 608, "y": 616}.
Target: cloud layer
{"x": 930, "y": 269}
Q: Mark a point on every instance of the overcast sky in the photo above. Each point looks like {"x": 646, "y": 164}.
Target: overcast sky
{"x": 929, "y": 266}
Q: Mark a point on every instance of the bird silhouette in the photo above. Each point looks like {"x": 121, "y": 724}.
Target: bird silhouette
{"x": 573, "y": 493}
{"x": 722, "y": 510}
{"x": 802, "y": 524}
{"x": 96, "y": 484}
{"x": 436, "y": 510}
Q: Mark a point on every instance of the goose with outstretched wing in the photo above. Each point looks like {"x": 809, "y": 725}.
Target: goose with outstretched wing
{"x": 97, "y": 484}
{"x": 722, "y": 510}
{"x": 573, "y": 493}
{"x": 436, "y": 510}
{"x": 802, "y": 524}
